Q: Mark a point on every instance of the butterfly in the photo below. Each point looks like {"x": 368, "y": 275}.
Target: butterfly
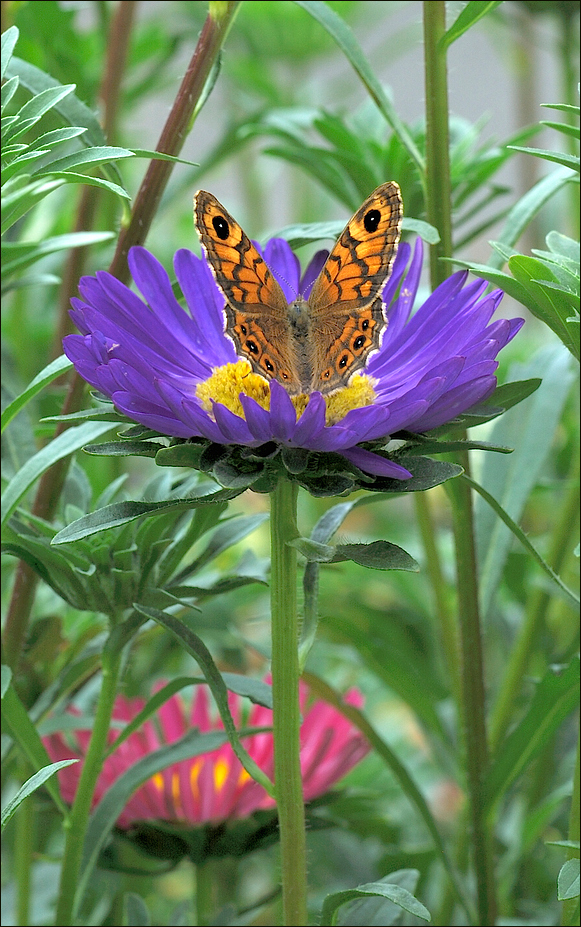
{"x": 316, "y": 343}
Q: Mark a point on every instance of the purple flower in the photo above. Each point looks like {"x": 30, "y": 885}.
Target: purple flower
{"x": 177, "y": 372}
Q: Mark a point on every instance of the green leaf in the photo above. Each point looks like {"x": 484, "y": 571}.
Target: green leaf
{"x": 554, "y": 308}
{"x": 225, "y": 536}
{"x": 89, "y": 156}
{"x": 426, "y": 473}
{"x": 8, "y": 91}
{"x": 119, "y": 513}
{"x": 568, "y": 883}
{"x": 112, "y": 804}
{"x": 22, "y": 200}
{"x": 64, "y": 445}
{"x": 555, "y": 698}
{"x": 198, "y": 650}
{"x": 531, "y": 427}
{"x": 562, "y": 127}
{"x": 468, "y": 16}
{"x": 17, "y": 725}
{"x": 528, "y": 206}
{"x": 392, "y": 891}
{"x": 118, "y": 448}
{"x": 30, "y": 786}
{"x": 161, "y": 156}
{"x": 9, "y": 40}
{"x": 405, "y": 781}
{"x": 53, "y": 370}
{"x": 89, "y": 180}
{"x": 343, "y": 36}
{"x": 566, "y": 160}
{"x": 18, "y": 255}
{"x": 519, "y": 533}
{"x": 136, "y": 911}
{"x": 41, "y": 103}
{"x": 73, "y": 111}
{"x": 379, "y": 555}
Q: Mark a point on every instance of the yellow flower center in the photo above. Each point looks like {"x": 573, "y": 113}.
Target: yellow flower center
{"x": 227, "y": 382}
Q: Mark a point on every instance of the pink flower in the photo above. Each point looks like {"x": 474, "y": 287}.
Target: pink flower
{"x": 213, "y": 787}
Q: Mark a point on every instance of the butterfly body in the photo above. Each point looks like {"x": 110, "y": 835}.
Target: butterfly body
{"x": 316, "y": 343}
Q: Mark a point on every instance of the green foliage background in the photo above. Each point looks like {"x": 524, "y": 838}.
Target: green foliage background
{"x": 292, "y": 137}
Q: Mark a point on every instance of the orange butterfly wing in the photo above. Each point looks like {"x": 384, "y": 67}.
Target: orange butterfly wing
{"x": 347, "y": 316}
{"x": 256, "y": 309}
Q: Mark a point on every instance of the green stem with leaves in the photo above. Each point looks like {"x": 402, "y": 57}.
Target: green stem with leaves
{"x": 285, "y": 697}
{"x": 173, "y": 135}
{"x": 75, "y": 825}
{"x": 472, "y": 701}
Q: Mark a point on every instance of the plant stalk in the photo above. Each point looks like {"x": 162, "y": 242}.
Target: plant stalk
{"x": 285, "y": 695}
{"x": 472, "y": 700}
{"x": 76, "y": 825}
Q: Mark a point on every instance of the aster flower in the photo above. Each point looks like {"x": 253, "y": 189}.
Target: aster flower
{"x": 212, "y": 788}
{"x": 177, "y": 373}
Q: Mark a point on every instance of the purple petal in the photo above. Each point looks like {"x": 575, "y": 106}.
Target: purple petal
{"x": 285, "y": 266}
{"x": 283, "y": 414}
{"x": 313, "y": 270}
{"x": 373, "y": 463}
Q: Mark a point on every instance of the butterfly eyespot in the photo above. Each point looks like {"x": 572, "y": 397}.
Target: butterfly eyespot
{"x": 269, "y": 366}
{"x": 365, "y": 324}
{"x": 221, "y": 227}
{"x": 359, "y": 343}
{"x": 371, "y": 220}
{"x": 243, "y": 329}
{"x": 252, "y": 347}
{"x": 343, "y": 362}
{"x": 284, "y": 375}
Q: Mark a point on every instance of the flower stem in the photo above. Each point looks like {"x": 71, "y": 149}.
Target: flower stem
{"x": 204, "y": 894}
{"x": 447, "y": 624}
{"x": 285, "y": 695}
{"x": 438, "y": 184}
{"x": 175, "y": 130}
{"x": 570, "y": 914}
{"x": 472, "y": 702}
{"x": 76, "y": 825}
